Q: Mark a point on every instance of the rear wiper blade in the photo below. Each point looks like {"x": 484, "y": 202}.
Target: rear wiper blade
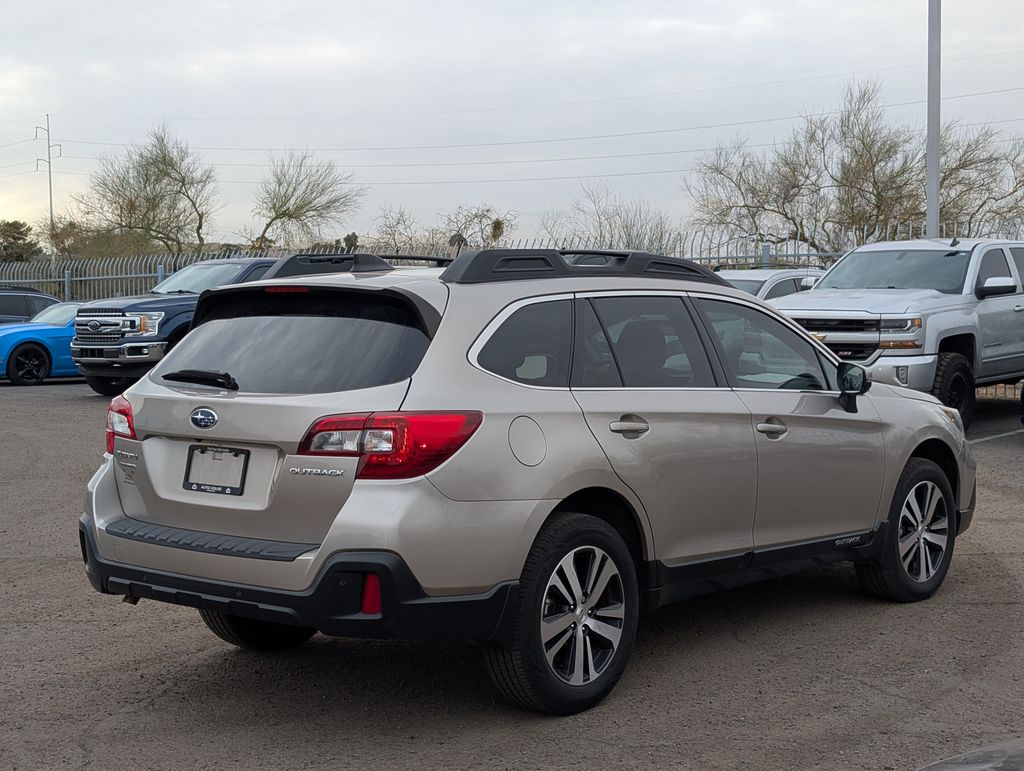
{"x": 203, "y": 377}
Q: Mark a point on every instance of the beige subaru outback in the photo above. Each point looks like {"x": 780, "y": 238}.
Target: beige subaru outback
{"x": 522, "y": 447}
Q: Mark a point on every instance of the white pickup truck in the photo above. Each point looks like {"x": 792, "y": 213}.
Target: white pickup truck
{"x": 935, "y": 315}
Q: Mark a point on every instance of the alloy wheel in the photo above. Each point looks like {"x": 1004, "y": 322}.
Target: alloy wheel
{"x": 923, "y": 531}
{"x": 30, "y": 365}
{"x": 582, "y": 615}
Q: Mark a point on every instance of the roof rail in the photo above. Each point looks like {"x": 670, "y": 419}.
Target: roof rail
{"x": 492, "y": 265}
{"x": 27, "y": 289}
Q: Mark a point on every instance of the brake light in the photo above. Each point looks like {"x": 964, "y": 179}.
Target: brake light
{"x": 392, "y": 445}
{"x": 120, "y": 421}
{"x": 287, "y": 289}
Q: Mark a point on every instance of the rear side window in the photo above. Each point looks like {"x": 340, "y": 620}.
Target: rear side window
{"x": 13, "y": 305}
{"x": 1018, "y": 259}
{"x": 533, "y": 345}
{"x": 653, "y": 341}
{"x": 304, "y": 343}
{"x": 781, "y": 289}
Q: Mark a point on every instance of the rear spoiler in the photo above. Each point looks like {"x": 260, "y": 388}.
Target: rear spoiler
{"x": 342, "y": 262}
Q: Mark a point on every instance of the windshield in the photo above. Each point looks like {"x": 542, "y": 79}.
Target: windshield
{"x": 197, "y": 278}
{"x": 56, "y": 315}
{"x": 747, "y": 285}
{"x": 943, "y": 270}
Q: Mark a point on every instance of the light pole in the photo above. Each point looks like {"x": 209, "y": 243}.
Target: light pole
{"x": 932, "y": 142}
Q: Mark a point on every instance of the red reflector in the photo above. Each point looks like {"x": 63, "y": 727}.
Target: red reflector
{"x": 371, "y": 594}
{"x": 286, "y": 289}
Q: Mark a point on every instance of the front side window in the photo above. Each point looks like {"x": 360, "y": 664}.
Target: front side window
{"x": 993, "y": 265}
{"x": 762, "y": 352}
{"x": 37, "y": 303}
{"x": 532, "y": 346}
{"x": 640, "y": 342}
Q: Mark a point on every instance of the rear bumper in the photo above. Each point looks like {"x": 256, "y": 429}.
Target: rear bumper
{"x": 331, "y": 604}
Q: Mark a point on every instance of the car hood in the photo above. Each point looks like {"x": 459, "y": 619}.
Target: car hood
{"x": 866, "y": 300}
{"x": 7, "y": 330}
{"x": 144, "y": 302}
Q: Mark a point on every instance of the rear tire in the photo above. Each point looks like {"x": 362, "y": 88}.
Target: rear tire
{"x": 954, "y": 385}
{"x": 29, "y": 365}
{"x": 568, "y": 652}
{"x": 255, "y": 635}
{"x": 917, "y": 542}
{"x": 109, "y": 386}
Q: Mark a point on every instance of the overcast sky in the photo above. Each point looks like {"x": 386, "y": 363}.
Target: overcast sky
{"x": 376, "y": 84}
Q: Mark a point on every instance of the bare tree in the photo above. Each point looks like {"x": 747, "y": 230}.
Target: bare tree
{"x": 300, "y": 196}
{"x": 854, "y": 170}
{"x": 396, "y": 229}
{"x": 160, "y": 190}
{"x": 480, "y": 225}
{"x": 601, "y": 219}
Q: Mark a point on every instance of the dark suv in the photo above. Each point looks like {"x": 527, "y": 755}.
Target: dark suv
{"x": 19, "y": 304}
{"x": 118, "y": 340}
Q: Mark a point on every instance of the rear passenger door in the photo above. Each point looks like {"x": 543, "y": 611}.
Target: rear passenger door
{"x": 819, "y": 467}
{"x": 682, "y": 442}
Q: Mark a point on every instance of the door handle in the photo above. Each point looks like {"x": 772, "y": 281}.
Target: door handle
{"x": 1018, "y": 308}
{"x": 629, "y": 426}
{"x": 774, "y": 430}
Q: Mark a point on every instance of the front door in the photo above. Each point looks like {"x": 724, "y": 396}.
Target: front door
{"x": 1001, "y": 326}
{"x": 819, "y": 467}
{"x": 682, "y": 441}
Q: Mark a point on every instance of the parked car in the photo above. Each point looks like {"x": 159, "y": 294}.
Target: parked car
{"x": 119, "y": 339}
{"x": 524, "y": 449}
{"x": 41, "y": 348}
{"x": 934, "y": 315}
{"x": 20, "y": 304}
{"x": 768, "y": 284}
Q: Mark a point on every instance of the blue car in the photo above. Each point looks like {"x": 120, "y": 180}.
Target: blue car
{"x": 39, "y": 348}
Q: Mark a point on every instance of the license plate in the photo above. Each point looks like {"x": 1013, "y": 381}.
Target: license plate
{"x": 219, "y": 470}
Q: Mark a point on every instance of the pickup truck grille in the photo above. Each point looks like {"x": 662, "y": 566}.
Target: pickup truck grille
{"x": 98, "y": 326}
{"x": 852, "y": 351}
{"x": 838, "y": 325}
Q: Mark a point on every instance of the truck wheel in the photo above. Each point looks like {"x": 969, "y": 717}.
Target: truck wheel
{"x": 574, "y": 622}
{"x": 28, "y": 365}
{"x": 954, "y": 385}
{"x": 253, "y": 634}
{"x": 917, "y": 542}
{"x": 109, "y": 386}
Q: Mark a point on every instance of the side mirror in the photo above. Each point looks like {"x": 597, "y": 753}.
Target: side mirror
{"x": 854, "y": 380}
{"x": 996, "y": 285}
{"x": 808, "y": 281}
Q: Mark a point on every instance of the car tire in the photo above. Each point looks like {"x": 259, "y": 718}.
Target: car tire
{"x": 954, "y": 385}
{"x": 253, "y": 634}
{"x": 918, "y": 539}
{"x": 109, "y": 386}
{"x": 567, "y": 653}
{"x": 28, "y": 365}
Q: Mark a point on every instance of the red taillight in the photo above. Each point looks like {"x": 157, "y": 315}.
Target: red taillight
{"x": 120, "y": 421}
{"x": 392, "y": 445}
{"x": 371, "y": 594}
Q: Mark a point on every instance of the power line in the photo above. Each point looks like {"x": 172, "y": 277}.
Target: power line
{"x": 541, "y": 105}
{"x": 507, "y": 143}
{"x": 19, "y": 142}
{"x": 18, "y": 174}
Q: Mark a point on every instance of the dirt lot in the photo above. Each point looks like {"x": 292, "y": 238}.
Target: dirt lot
{"x": 802, "y": 672}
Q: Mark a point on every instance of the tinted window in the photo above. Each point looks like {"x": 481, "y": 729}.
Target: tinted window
{"x": 317, "y": 342}
{"x": 37, "y": 303}
{"x": 13, "y": 305}
{"x": 654, "y": 342}
{"x": 1018, "y": 259}
{"x": 257, "y": 273}
{"x": 993, "y": 265}
{"x": 593, "y": 365}
{"x": 781, "y": 289}
{"x": 533, "y": 345}
{"x": 747, "y": 285}
{"x": 762, "y": 352}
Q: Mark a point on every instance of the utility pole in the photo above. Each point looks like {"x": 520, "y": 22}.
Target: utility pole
{"x": 932, "y": 142}
{"x": 48, "y": 160}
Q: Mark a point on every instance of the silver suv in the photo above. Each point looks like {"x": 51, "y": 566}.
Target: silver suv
{"x": 526, "y": 448}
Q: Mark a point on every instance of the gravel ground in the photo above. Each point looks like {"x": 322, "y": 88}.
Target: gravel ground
{"x": 801, "y": 672}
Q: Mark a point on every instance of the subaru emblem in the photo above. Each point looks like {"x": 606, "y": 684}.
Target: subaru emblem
{"x": 203, "y": 417}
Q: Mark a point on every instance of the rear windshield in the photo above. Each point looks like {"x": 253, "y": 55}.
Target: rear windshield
{"x": 747, "y": 285}
{"x": 303, "y": 343}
